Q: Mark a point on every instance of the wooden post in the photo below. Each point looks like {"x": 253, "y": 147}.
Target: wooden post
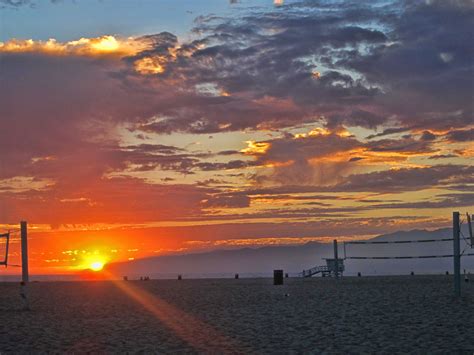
{"x": 336, "y": 260}
{"x": 456, "y": 255}
{"x": 24, "y": 251}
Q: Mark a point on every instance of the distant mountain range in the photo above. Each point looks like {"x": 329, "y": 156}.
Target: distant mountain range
{"x": 293, "y": 259}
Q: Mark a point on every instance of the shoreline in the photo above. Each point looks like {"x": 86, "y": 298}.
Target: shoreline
{"x": 43, "y": 278}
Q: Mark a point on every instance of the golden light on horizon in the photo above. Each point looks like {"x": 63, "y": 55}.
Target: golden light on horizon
{"x": 97, "y": 265}
{"x": 94, "y": 261}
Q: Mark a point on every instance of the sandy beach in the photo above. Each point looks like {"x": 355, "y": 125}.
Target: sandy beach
{"x": 356, "y": 315}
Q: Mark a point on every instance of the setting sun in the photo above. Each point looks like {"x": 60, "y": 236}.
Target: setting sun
{"x": 96, "y": 265}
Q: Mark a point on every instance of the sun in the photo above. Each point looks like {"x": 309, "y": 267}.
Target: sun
{"x": 96, "y": 265}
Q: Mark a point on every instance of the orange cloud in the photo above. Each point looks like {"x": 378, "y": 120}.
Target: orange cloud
{"x": 150, "y": 65}
{"x": 256, "y": 148}
{"x": 98, "y": 46}
{"x": 107, "y": 45}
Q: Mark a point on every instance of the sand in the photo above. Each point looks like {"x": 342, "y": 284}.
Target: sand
{"x": 357, "y": 315}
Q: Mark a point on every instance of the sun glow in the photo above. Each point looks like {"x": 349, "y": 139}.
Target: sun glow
{"x": 97, "y": 265}
{"x": 93, "y": 261}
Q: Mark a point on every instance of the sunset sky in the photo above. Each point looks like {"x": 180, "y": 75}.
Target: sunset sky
{"x": 140, "y": 128}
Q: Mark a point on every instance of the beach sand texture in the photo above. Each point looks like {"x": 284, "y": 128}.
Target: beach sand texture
{"x": 368, "y": 314}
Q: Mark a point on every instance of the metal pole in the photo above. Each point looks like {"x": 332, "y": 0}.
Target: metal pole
{"x": 6, "y": 251}
{"x": 24, "y": 251}
{"x": 456, "y": 255}
{"x": 336, "y": 260}
{"x": 469, "y": 226}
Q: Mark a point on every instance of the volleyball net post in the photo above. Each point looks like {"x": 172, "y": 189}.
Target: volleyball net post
{"x": 24, "y": 265}
{"x": 456, "y": 255}
{"x": 24, "y": 251}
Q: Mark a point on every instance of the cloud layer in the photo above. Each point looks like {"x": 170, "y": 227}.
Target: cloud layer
{"x": 313, "y": 112}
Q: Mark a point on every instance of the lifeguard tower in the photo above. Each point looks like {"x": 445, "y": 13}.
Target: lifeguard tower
{"x": 334, "y": 267}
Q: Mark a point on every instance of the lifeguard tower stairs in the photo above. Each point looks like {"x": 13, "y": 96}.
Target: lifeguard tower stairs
{"x": 326, "y": 270}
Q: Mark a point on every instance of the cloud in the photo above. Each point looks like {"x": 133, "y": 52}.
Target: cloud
{"x": 466, "y": 135}
{"x": 400, "y": 71}
{"x": 444, "y": 201}
{"x": 404, "y": 145}
{"x": 323, "y": 156}
{"x": 15, "y": 4}
{"x": 374, "y": 67}
{"x": 443, "y": 156}
{"x": 99, "y": 46}
{"x": 385, "y": 181}
{"x": 406, "y": 179}
{"x": 105, "y": 200}
{"x": 227, "y": 201}
{"x": 258, "y": 69}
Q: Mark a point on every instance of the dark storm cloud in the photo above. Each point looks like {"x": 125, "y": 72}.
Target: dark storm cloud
{"x": 441, "y": 201}
{"x": 461, "y": 135}
{"x": 405, "y": 145}
{"x": 443, "y": 156}
{"x": 233, "y": 164}
{"x": 321, "y": 209}
{"x": 310, "y": 159}
{"x": 430, "y": 58}
{"x": 388, "y": 181}
{"x": 428, "y": 136}
{"x": 227, "y": 201}
{"x": 406, "y": 179}
{"x": 389, "y": 131}
{"x": 291, "y": 148}
{"x": 374, "y": 64}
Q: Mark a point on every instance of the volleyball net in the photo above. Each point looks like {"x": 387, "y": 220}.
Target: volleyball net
{"x": 4, "y": 245}
{"x": 404, "y": 249}
{"x": 403, "y": 253}
{"x": 10, "y": 247}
